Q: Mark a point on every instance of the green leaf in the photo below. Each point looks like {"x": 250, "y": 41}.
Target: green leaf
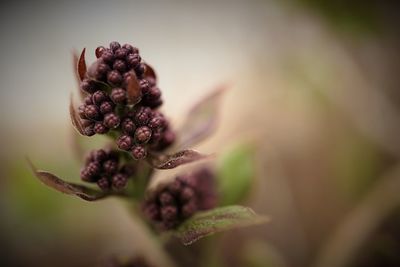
{"x": 235, "y": 173}
{"x": 213, "y": 221}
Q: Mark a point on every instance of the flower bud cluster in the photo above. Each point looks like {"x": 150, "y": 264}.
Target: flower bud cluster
{"x": 104, "y": 168}
{"x": 144, "y": 128}
{"x": 139, "y": 127}
{"x": 171, "y": 204}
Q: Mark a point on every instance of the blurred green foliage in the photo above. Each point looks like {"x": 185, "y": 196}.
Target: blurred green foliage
{"x": 235, "y": 173}
{"x": 353, "y": 16}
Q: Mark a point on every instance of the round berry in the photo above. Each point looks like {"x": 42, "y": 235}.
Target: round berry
{"x": 143, "y": 134}
{"x": 88, "y": 100}
{"x": 111, "y": 120}
{"x": 114, "y": 78}
{"x": 138, "y": 152}
{"x": 125, "y": 142}
{"x": 118, "y": 95}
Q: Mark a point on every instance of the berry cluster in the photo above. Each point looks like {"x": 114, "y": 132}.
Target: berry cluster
{"x": 106, "y": 106}
{"x": 104, "y": 168}
{"x": 144, "y": 127}
{"x": 171, "y": 204}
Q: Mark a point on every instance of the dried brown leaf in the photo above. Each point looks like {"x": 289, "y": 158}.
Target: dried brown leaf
{"x": 202, "y": 119}
{"x": 62, "y": 186}
{"x": 176, "y": 159}
{"x": 133, "y": 91}
{"x": 81, "y": 67}
{"x": 150, "y": 73}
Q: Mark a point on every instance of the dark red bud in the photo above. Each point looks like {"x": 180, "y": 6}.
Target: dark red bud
{"x": 111, "y": 120}
{"x": 125, "y": 142}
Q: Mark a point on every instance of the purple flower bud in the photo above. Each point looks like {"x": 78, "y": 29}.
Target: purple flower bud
{"x": 156, "y": 122}
{"x": 88, "y": 86}
{"x": 110, "y": 166}
{"x": 114, "y": 46}
{"x": 90, "y": 172}
{"x": 118, "y": 95}
{"x": 107, "y": 56}
{"x": 99, "y": 97}
{"x": 138, "y": 152}
{"x": 88, "y": 100}
{"x": 92, "y": 112}
{"x": 89, "y": 130}
{"x": 130, "y": 48}
{"x": 142, "y": 115}
{"x": 133, "y": 60}
{"x": 189, "y": 209}
{"x": 101, "y": 71}
{"x": 104, "y": 184}
{"x": 100, "y": 128}
{"x": 144, "y": 86}
{"x": 128, "y": 126}
{"x": 99, "y": 51}
{"x": 106, "y": 107}
{"x": 114, "y": 78}
{"x": 142, "y": 134}
{"x": 166, "y": 199}
{"x": 119, "y": 181}
{"x": 100, "y": 155}
{"x": 186, "y": 194}
{"x": 169, "y": 213}
{"x": 140, "y": 69}
{"x": 111, "y": 120}
{"x": 152, "y": 211}
{"x": 121, "y": 53}
{"x": 125, "y": 142}
{"x": 119, "y": 65}
{"x": 175, "y": 187}
{"x": 81, "y": 111}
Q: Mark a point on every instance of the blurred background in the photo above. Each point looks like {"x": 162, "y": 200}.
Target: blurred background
{"x": 315, "y": 85}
